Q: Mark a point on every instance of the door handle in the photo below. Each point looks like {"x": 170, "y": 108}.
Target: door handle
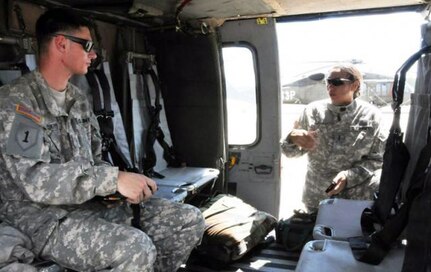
{"x": 263, "y": 169}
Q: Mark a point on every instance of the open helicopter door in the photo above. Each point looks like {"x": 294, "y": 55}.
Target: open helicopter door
{"x": 251, "y": 73}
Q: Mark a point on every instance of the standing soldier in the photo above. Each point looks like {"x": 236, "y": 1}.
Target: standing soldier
{"x": 51, "y": 169}
{"x": 343, "y": 139}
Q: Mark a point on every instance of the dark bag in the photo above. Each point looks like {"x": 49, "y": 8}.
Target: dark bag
{"x": 293, "y": 233}
{"x": 232, "y": 228}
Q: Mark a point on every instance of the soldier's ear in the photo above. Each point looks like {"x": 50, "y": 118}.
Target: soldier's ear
{"x": 60, "y": 43}
{"x": 356, "y": 85}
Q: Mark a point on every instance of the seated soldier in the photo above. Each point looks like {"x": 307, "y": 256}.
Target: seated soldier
{"x": 51, "y": 170}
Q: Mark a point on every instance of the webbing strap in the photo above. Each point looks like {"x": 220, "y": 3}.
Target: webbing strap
{"x": 154, "y": 130}
{"x": 109, "y": 145}
{"x": 418, "y": 232}
{"x": 150, "y": 138}
{"x": 95, "y": 91}
{"x": 168, "y": 152}
{"x": 374, "y": 248}
{"x": 396, "y": 155}
{"x": 104, "y": 116}
{"x": 395, "y": 161}
{"x": 106, "y": 90}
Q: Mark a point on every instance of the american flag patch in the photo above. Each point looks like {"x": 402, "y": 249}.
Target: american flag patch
{"x": 28, "y": 113}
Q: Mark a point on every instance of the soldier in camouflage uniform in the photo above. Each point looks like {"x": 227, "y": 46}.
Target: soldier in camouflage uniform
{"x": 51, "y": 170}
{"x": 343, "y": 139}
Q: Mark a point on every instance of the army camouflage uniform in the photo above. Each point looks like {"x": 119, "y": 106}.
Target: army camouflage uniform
{"x": 349, "y": 138}
{"x": 51, "y": 170}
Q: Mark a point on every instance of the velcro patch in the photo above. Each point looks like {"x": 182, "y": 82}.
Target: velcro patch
{"x": 25, "y": 138}
{"x": 28, "y": 113}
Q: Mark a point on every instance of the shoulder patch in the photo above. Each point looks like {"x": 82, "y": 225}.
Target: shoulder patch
{"x": 20, "y": 109}
{"x": 25, "y": 138}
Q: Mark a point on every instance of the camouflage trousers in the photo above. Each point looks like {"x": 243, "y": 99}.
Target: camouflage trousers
{"x": 103, "y": 240}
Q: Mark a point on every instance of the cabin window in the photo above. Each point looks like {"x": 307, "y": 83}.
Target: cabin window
{"x": 241, "y": 104}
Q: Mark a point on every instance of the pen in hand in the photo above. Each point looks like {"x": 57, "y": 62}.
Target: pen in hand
{"x": 330, "y": 187}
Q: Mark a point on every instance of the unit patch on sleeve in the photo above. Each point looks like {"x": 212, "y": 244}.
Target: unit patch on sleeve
{"x": 28, "y": 113}
{"x": 26, "y": 136}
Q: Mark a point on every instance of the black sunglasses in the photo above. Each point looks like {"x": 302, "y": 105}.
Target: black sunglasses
{"x": 337, "y": 81}
{"x": 86, "y": 44}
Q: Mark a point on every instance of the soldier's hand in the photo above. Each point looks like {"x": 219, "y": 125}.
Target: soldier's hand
{"x": 135, "y": 187}
{"x": 303, "y": 138}
{"x": 340, "y": 182}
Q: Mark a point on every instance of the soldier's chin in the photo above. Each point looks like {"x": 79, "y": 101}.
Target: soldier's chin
{"x": 83, "y": 71}
{"x": 336, "y": 102}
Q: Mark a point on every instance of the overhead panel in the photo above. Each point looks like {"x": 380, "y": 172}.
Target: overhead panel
{"x": 225, "y": 9}
{"x": 165, "y": 12}
{"x": 297, "y": 7}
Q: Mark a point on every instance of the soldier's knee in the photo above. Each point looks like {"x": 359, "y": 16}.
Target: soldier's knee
{"x": 199, "y": 221}
{"x": 143, "y": 248}
{"x": 137, "y": 250}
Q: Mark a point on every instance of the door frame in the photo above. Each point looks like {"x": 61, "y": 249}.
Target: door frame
{"x": 255, "y": 175}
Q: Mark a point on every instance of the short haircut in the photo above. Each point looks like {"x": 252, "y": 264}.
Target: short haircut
{"x": 58, "y": 20}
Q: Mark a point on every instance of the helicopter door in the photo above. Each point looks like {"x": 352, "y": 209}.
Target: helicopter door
{"x": 251, "y": 73}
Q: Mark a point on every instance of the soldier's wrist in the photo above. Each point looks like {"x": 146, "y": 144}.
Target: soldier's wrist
{"x": 288, "y": 139}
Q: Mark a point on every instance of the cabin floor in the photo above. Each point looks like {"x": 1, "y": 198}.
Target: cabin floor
{"x": 268, "y": 257}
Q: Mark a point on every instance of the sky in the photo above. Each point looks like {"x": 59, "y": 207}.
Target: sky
{"x": 381, "y": 42}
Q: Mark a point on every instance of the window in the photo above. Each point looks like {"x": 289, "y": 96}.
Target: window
{"x": 240, "y": 77}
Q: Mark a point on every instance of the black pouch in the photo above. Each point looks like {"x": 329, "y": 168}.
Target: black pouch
{"x": 293, "y": 233}
{"x": 233, "y": 228}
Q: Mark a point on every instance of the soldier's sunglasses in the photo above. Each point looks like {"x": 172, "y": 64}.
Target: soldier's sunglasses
{"x": 86, "y": 44}
{"x": 337, "y": 81}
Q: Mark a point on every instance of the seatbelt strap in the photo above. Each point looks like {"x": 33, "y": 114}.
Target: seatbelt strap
{"x": 386, "y": 199}
{"x": 168, "y": 152}
{"x": 109, "y": 145}
{"x": 154, "y": 131}
{"x": 397, "y": 157}
{"x": 95, "y": 91}
{"x": 103, "y": 117}
{"x": 374, "y": 248}
{"x": 150, "y": 155}
{"x": 418, "y": 233}
{"x": 113, "y": 148}
{"x": 104, "y": 83}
